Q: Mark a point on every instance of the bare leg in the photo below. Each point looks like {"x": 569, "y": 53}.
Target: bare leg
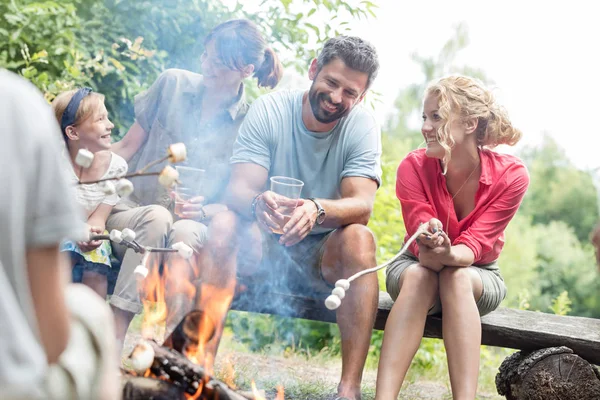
{"x": 347, "y": 251}
{"x": 217, "y": 271}
{"x": 96, "y": 281}
{"x": 459, "y": 289}
{"x": 404, "y": 328}
{"x": 122, "y": 320}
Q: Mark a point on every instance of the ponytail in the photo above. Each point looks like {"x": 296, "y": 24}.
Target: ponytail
{"x": 270, "y": 72}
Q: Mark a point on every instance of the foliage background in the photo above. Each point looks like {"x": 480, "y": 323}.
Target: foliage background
{"x": 119, "y": 47}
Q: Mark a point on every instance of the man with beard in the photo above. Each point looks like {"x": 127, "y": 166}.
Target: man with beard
{"x": 326, "y": 139}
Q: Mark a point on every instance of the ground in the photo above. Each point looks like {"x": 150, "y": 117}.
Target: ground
{"x": 304, "y": 378}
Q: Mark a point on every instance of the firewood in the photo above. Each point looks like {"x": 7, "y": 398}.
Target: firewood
{"x": 552, "y": 373}
{"x": 171, "y": 366}
{"x": 140, "y": 388}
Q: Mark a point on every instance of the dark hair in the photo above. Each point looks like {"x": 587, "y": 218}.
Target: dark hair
{"x": 355, "y": 52}
{"x": 239, "y": 43}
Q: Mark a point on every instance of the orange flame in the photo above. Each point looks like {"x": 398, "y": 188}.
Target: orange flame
{"x": 280, "y": 393}
{"x": 257, "y": 395}
{"x": 153, "y": 299}
{"x": 229, "y": 373}
{"x": 214, "y": 302}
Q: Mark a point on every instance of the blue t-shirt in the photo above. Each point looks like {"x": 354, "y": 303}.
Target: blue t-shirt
{"x": 274, "y": 136}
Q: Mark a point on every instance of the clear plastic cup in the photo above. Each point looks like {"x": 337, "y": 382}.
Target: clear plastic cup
{"x": 287, "y": 189}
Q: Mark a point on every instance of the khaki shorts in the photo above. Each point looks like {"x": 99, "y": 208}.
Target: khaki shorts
{"x": 494, "y": 289}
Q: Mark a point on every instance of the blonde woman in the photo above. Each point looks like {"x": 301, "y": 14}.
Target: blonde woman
{"x": 466, "y": 194}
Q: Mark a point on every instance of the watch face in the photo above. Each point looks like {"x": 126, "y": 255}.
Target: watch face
{"x": 321, "y": 217}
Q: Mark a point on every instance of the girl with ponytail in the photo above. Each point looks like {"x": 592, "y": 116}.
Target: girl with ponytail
{"x": 204, "y": 111}
{"x": 466, "y": 194}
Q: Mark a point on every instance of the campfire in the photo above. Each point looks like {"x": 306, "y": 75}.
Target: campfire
{"x": 181, "y": 368}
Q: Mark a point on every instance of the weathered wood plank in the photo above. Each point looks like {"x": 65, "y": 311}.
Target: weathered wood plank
{"x": 505, "y": 327}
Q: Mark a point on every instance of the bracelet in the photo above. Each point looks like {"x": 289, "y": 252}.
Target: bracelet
{"x": 253, "y": 206}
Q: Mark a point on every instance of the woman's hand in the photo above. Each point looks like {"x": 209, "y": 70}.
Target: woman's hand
{"x": 434, "y": 250}
{"x": 91, "y": 244}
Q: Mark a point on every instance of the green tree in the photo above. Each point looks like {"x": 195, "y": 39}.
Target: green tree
{"x": 558, "y": 190}
{"x": 119, "y": 47}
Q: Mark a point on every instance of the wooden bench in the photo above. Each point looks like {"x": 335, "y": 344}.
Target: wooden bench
{"x": 505, "y": 327}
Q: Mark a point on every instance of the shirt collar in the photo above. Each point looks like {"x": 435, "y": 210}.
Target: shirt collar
{"x": 238, "y": 105}
{"x": 486, "y": 176}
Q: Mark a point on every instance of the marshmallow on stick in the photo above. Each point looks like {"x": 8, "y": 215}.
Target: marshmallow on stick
{"x": 84, "y": 158}
{"x": 168, "y": 176}
{"x": 177, "y": 152}
{"x": 334, "y": 300}
{"x": 124, "y": 187}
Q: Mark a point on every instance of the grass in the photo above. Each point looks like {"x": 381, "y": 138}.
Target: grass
{"x": 313, "y": 374}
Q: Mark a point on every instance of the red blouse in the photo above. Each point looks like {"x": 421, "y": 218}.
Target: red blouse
{"x": 423, "y": 194}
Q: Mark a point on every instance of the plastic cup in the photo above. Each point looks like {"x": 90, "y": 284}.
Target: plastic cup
{"x": 287, "y": 189}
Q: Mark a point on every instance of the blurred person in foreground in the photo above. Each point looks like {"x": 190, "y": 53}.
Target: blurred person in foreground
{"x": 55, "y": 340}
{"x": 325, "y": 138}
{"x": 466, "y": 194}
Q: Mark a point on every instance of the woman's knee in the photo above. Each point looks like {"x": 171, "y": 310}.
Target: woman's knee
{"x": 190, "y": 232}
{"x": 455, "y": 280}
{"x": 419, "y": 279}
{"x": 156, "y": 220}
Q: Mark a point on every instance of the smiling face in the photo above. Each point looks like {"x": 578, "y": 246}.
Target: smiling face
{"x": 335, "y": 90}
{"x": 93, "y": 133}
{"x": 443, "y": 133}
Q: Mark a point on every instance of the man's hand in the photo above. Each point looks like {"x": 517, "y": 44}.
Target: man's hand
{"x": 269, "y": 207}
{"x": 92, "y": 244}
{"x": 300, "y": 224}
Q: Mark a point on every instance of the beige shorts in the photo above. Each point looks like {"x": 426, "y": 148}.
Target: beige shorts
{"x": 494, "y": 289}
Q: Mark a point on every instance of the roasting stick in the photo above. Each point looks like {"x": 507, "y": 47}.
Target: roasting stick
{"x": 334, "y": 300}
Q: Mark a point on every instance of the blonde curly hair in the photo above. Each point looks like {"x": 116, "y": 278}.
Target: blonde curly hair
{"x": 468, "y": 97}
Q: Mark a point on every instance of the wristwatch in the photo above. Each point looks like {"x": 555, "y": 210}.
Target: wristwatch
{"x": 320, "y": 211}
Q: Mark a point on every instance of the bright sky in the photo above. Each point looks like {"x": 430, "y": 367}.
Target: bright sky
{"x": 542, "y": 55}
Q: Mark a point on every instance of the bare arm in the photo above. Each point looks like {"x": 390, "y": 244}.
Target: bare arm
{"x": 355, "y": 206}
{"x": 131, "y": 142}
{"x": 46, "y": 268}
{"x": 99, "y": 216}
{"x": 247, "y": 180}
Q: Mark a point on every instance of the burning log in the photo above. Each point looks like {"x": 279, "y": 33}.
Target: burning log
{"x": 140, "y": 388}
{"x": 188, "y": 334}
{"x": 173, "y": 367}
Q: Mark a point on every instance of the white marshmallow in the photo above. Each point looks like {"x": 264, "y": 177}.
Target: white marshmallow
{"x": 127, "y": 235}
{"x": 183, "y": 249}
{"x": 339, "y": 292}
{"x": 107, "y": 187}
{"x": 177, "y": 152}
{"x": 84, "y": 158}
{"x": 343, "y": 283}
{"x": 332, "y": 302}
{"x": 142, "y": 357}
{"x": 168, "y": 176}
{"x": 124, "y": 187}
{"x": 116, "y": 236}
{"x": 141, "y": 271}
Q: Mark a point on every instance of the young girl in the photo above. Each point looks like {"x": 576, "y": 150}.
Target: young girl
{"x": 466, "y": 194}
{"x": 85, "y": 125}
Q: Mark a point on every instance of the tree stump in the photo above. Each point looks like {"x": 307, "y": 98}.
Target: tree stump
{"x": 552, "y": 373}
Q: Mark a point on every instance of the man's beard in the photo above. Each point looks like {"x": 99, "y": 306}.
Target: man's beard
{"x": 322, "y": 115}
